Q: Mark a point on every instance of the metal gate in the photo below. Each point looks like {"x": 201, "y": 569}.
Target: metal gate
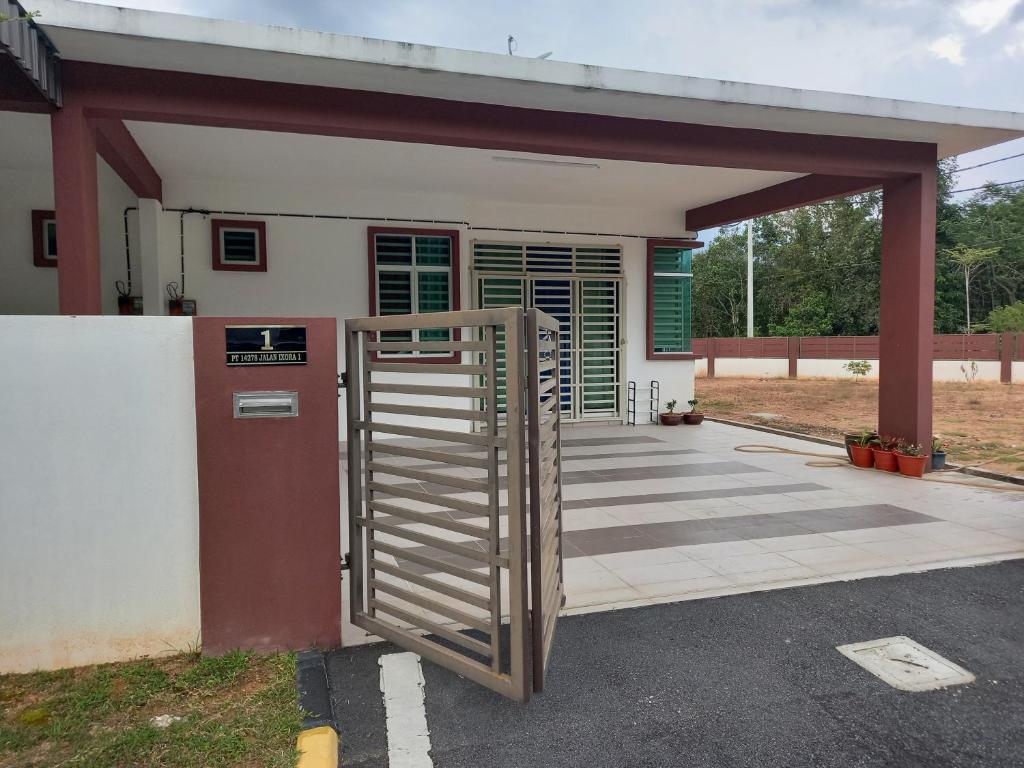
{"x": 433, "y": 475}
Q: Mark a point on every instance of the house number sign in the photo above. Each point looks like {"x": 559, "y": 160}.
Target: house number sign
{"x": 265, "y": 344}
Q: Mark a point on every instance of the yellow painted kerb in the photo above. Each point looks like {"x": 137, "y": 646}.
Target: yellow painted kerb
{"x": 318, "y": 748}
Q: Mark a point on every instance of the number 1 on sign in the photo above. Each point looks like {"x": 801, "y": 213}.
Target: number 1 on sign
{"x": 266, "y": 340}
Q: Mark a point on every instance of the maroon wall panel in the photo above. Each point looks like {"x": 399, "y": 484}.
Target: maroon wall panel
{"x": 959, "y": 346}
{"x": 269, "y": 503}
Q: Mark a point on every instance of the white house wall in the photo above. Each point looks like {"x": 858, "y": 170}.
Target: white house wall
{"x": 26, "y": 289}
{"x": 99, "y": 515}
{"x": 318, "y": 267}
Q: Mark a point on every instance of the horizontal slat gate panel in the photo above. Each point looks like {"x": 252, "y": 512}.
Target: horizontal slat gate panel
{"x": 545, "y": 490}
{"x": 409, "y": 555}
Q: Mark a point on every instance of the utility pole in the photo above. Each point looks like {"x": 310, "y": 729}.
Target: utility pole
{"x": 750, "y": 279}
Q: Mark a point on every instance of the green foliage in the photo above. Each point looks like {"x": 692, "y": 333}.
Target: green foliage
{"x": 693, "y": 405}
{"x": 810, "y": 317}
{"x": 671, "y": 405}
{"x": 1008, "y": 319}
{"x": 817, "y": 269}
{"x": 23, "y": 17}
{"x": 858, "y": 367}
{"x": 867, "y": 437}
{"x": 238, "y": 709}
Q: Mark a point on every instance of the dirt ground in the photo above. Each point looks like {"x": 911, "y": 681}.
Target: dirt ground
{"x": 978, "y": 421}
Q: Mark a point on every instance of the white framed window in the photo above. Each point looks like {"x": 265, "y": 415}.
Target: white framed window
{"x": 414, "y": 271}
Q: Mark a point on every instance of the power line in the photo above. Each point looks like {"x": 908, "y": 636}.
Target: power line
{"x": 990, "y": 162}
{"x": 986, "y": 186}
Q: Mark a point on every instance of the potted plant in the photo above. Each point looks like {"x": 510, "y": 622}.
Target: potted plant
{"x": 670, "y": 418}
{"x": 693, "y": 416}
{"x": 938, "y": 454}
{"x": 861, "y": 453}
{"x": 911, "y": 459}
{"x": 852, "y": 438}
{"x": 884, "y": 452}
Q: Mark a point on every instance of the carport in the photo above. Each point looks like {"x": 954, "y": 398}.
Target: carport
{"x": 740, "y": 150}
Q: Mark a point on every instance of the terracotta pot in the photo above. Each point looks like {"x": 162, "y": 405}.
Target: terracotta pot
{"x": 911, "y": 466}
{"x": 850, "y": 438}
{"x": 862, "y": 456}
{"x": 693, "y": 418}
{"x": 885, "y": 460}
{"x": 670, "y": 419}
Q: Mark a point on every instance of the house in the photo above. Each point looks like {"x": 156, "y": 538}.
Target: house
{"x": 157, "y": 163}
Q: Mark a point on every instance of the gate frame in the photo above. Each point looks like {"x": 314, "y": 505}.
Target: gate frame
{"x": 516, "y": 684}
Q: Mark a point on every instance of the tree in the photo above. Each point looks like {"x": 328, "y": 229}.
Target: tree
{"x": 811, "y": 317}
{"x": 1009, "y": 319}
{"x": 970, "y": 260}
{"x": 833, "y": 250}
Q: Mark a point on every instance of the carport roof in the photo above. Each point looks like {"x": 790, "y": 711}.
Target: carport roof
{"x": 110, "y": 35}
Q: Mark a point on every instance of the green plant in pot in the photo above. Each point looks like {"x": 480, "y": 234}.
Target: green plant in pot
{"x": 670, "y": 418}
{"x": 693, "y": 416}
{"x": 861, "y": 453}
{"x": 854, "y": 438}
{"x": 884, "y": 452}
{"x": 911, "y": 458}
{"x": 938, "y": 453}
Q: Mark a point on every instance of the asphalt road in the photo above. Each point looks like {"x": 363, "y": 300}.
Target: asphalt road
{"x": 748, "y": 680}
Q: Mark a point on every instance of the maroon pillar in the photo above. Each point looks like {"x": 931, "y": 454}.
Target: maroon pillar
{"x": 794, "y": 356}
{"x": 908, "y": 308}
{"x": 77, "y": 211}
{"x": 269, "y": 500}
{"x": 711, "y": 357}
{"x": 1006, "y": 358}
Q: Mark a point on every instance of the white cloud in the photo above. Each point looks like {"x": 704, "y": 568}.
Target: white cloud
{"x": 985, "y": 15}
{"x": 950, "y": 48}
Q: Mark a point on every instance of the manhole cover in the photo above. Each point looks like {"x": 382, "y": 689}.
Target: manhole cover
{"x": 906, "y": 665}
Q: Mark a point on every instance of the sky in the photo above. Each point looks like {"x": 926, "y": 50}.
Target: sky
{"x": 962, "y": 52}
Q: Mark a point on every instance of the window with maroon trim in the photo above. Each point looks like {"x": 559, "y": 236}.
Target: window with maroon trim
{"x": 669, "y": 299}
{"x": 414, "y": 271}
{"x": 239, "y": 246}
{"x": 44, "y": 238}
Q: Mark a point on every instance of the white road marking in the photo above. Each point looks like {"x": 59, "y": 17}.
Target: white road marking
{"x": 401, "y": 685}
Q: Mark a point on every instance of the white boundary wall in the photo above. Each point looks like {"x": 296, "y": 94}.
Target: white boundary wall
{"x": 99, "y": 510}
{"x": 808, "y": 368}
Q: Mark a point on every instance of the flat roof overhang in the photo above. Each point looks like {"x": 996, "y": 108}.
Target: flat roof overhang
{"x": 30, "y": 70}
{"x": 109, "y": 35}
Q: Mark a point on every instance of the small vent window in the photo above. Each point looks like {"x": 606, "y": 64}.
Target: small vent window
{"x": 239, "y": 245}
{"x": 44, "y": 239}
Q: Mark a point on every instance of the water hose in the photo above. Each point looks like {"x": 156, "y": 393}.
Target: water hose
{"x": 829, "y": 460}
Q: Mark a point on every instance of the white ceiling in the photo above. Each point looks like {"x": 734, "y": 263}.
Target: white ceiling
{"x": 225, "y": 154}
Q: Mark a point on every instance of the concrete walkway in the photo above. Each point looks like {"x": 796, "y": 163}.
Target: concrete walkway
{"x": 655, "y": 514}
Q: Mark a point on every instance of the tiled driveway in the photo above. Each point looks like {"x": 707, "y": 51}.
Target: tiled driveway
{"x": 657, "y": 514}
{"x": 676, "y": 513}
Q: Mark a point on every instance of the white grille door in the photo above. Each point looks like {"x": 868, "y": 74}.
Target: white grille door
{"x": 580, "y": 286}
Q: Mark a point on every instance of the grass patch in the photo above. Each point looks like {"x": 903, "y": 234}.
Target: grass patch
{"x": 239, "y": 709}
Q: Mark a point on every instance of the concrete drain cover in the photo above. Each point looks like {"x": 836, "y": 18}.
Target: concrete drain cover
{"x": 906, "y": 665}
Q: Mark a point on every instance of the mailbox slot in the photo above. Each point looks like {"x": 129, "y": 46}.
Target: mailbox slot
{"x": 266, "y": 405}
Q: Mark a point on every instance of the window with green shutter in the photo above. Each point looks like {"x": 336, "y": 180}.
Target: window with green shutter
{"x": 669, "y": 309}
{"x": 414, "y": 271}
